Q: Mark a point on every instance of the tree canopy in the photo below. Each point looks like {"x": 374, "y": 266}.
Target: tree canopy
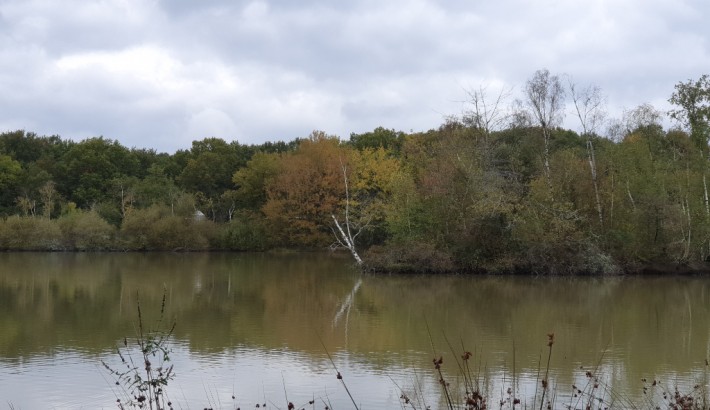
{"x": 494, "y": 190}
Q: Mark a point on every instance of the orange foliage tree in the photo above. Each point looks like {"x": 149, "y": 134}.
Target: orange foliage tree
{"x": 307, "y": 190}
{"x": 310, "y": 188}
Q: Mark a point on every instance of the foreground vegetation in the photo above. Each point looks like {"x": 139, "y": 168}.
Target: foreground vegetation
{"x": 492, "y": 190}
{"x": 145, "y": 373}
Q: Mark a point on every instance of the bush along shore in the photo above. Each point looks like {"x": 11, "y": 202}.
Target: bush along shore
{"x": 156, "y": 229}
{"x": 501, "y": 191}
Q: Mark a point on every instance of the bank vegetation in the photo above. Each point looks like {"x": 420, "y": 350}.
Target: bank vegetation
{"x": 500, "y": 188}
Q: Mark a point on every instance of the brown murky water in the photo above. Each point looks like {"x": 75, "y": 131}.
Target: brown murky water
{"x": 260, "y": 327}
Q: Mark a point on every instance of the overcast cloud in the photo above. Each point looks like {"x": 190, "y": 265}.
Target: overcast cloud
{"x": 162, "y": 73}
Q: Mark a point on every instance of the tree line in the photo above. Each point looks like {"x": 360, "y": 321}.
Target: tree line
{"x": 501, "y": 187}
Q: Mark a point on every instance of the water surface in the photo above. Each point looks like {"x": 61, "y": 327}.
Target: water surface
{"x": 260, "y": 327}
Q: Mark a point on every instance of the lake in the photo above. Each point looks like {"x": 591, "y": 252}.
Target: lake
{"x": 264, "y": 328}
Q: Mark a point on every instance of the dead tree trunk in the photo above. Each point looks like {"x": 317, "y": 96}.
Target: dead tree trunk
{"x": 345, "y": 237}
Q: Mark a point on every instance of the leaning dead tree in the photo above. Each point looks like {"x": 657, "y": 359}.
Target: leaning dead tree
{"x": 344, "y": 236}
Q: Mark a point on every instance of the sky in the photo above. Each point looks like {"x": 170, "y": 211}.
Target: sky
{"x": 161, "y": 73}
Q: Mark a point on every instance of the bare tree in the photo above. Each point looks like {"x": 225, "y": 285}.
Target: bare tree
{"x": 519, "y": 115}
{"x": 546, "y": 102}
{"x": 642, "y": 116}
{"x": 26, "y": 204}
{"x": 589, "y": 105}
{"x": 645, "y": 115}
{"x": 486, "y": 114}
{"x": 48, "y": 192}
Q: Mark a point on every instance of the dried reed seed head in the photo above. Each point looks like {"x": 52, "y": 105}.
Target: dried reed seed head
{"x": 550, "y": 339}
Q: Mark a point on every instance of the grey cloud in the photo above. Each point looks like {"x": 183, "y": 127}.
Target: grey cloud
{"x": 163, "y": 72}
{"x": 75, "y": 26}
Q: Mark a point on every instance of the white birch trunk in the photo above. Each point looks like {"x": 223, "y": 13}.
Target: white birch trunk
{"x": 346, "y": 238}
{"x": 546, "y": 160}
{"x": 631, "y": 198}
{"x": 347, "y": 241}
{"x": 593, "y": 168}
{"x": 707, "y": 205}
{"x": 611, "y": 205}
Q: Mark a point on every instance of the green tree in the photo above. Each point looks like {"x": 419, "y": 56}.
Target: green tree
{"x": 693, "y": 100}
{"x": 10, "y": 172}
{"x": 88, "y": 166}
{"x": 27, "y": 147}
{"x": 156, "y": 188}
{"x": 380, "y": 137}
{"x": 209, "y": 171}
{"x": 252, "y": 180}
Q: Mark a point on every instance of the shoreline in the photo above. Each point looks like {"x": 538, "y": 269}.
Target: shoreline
{"x": 648, "y": 269}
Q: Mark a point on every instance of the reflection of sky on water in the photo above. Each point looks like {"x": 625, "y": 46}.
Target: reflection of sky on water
{"x": 70, "y": 379}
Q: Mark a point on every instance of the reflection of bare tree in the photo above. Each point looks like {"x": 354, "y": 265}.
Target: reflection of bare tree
{"x": 346, "y": 306}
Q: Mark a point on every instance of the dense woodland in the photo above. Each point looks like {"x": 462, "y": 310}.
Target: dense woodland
{"x": 499, "y": 188}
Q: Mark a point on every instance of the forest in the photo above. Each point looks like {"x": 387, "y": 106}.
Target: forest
{"x": 499, "y": 188}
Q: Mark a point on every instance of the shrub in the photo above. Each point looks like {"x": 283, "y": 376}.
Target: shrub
{"x": 246, "y": 231}
{"x": 566, "y": 258}
{"x": 176, "y": 233}
{"x": 86, "y": 231}
{"x": 417, "y": 257}
{"x": 136, "y": 230}
{"x": 29, "y": 233}
{"x": 156, "y": 228}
